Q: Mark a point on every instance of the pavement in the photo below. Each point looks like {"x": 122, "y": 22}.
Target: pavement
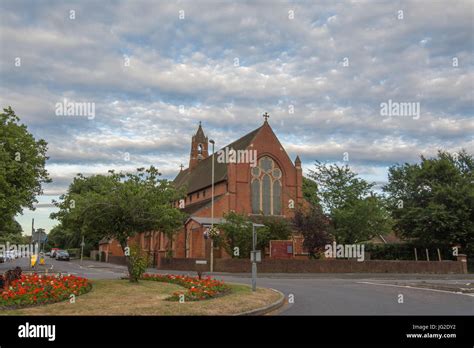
{"x": 322, "y": 293}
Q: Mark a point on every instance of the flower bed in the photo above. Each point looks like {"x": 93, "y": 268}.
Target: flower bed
{"x": 197, "y": 289}
{"x": 40, "y": 289}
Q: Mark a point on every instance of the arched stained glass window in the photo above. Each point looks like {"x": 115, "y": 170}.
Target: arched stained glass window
{"x": 266, "y": 187}
{"x": 255, "y": 196}
{"x": 277, "y": 197}
{"x": 266, "y": 195}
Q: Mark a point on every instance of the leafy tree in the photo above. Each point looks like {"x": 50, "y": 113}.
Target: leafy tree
{"x": 433, "y": 201}
{"x": 120, "y": 206}
{"x": 12, "y": 233}
{"x": 22, "y": 167}
{"x": 315, "y": 227}
{"x": 237, "y": 233}
{"x": 357, "y": 213}
{"x": 361, "y": 220}
{"x": 68, "y": 233}
{"x": 60, "y": 237}
{"x": 338, "y": 185}
{"x": 276, "y": 228}
{"x": 310, "y": 191}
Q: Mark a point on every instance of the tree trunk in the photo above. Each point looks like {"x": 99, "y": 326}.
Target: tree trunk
{"x": 128, "y": 262}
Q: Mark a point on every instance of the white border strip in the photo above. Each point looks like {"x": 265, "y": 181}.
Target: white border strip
{"x": 416, "y": 288}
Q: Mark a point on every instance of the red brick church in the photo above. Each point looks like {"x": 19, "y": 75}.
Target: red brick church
{"x": 253, "y": 176}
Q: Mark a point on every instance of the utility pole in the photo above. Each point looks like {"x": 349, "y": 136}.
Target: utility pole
{"x": 82, "y": 249}
{"x": 33, "y": 232}
{"x": 254, "y": 261}
{"x": 212, "y": 207}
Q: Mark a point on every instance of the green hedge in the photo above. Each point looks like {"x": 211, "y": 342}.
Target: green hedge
{"x": 406, "y": 252}
{"x": 76, "y": 252}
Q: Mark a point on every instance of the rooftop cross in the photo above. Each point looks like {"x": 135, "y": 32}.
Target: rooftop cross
{"x": 266, "y": 116}
{"x": 181, "y": 166}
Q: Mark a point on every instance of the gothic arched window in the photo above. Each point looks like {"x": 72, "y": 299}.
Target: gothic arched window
{"x": 200, "y": 149}
{"x": 266, "y": 187}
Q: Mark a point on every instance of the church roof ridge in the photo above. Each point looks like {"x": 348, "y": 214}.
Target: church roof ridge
{"x": 200, "y": 176}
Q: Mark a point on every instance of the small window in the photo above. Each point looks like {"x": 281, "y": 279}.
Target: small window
{"x": 197, "y": 195}
{"x": 190, "y": 198}
{"x": 204, "y": 193}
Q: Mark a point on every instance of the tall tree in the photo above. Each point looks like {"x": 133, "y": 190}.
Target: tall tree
{"x": 361, "y": 219}
{"x": 433, "y": 201}
{"x": 69, "y": 232}
{"x": 12, "y": 233}
{"x": 310, "y": 191}
{"x": 357, "y": 213}
{"x": 338, "y": 185}
{"x": 22, "y": 167}
{"x": 122, "y": 205}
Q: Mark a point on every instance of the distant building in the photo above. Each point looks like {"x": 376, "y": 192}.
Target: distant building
{"x": 253, "y": 176}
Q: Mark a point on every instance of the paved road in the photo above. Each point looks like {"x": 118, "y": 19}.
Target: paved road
{"x": 89, "y": 269}
{"x": 323, "y": 294}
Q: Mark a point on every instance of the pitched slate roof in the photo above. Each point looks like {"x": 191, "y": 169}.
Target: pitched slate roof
{"x": 192, "y": 208}
{"x": 201, "y": 176}
{"x": 207, "y": 220}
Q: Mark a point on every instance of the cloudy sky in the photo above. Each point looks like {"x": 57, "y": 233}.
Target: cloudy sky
{"x": 154, "y": 69}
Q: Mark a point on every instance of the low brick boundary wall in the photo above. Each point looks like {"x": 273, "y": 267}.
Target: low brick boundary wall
{"x": 178, "y": 264}
{"x": 118, "y": 260}
{"x": 322, "y": 266}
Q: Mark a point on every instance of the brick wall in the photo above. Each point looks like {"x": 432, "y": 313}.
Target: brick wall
{"x": 119, "y": 260}
{"x": 178, "y": 264}
{"x": 281, "y": 249}
{"x": 323, "y": 266}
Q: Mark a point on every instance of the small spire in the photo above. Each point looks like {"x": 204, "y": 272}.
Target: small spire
{"x": 200, "y": 137}
{"x": 298, "y": 161}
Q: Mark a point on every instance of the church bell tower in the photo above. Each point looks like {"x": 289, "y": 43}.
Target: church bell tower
{"x": 198, "y": 148}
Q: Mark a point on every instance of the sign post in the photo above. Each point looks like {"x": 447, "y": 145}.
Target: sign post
{"x": 201, "y": 266}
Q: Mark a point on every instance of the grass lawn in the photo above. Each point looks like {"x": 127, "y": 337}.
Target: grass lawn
{"x": 120, "y": 297}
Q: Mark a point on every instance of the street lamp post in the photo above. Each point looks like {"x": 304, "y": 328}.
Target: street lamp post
{"x": 82, "y": 249}
{"x": 254, "y": 261}
{"x": 212, "y": 207}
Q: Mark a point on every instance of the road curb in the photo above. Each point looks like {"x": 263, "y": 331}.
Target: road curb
{"x": 267, "y": 309}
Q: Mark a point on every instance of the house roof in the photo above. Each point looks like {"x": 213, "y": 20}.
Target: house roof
{"x": 193, "y": 208}
{"x": 105, "y": 240}
{"x": 201, "y": 176}
{"x": 206, "y": 220}
{"x": 390, "y": 238}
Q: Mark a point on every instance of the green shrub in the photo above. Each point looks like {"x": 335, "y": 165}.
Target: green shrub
{"x": 138, "y": 263}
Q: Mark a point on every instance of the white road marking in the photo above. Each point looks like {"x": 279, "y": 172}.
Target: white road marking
{"x": 416, "y": 288}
